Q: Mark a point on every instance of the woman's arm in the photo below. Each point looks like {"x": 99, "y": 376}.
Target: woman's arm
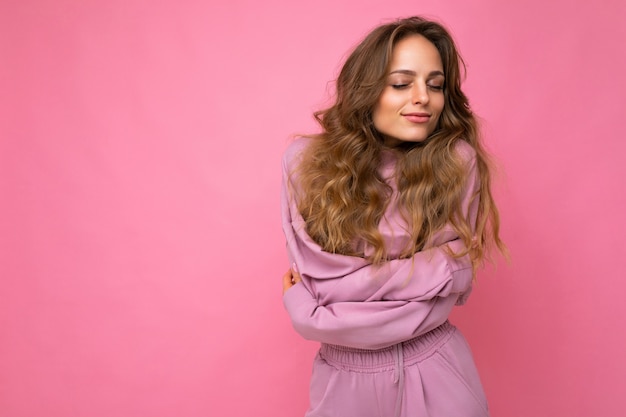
{"x": 336, "y": 278}
{"x": 429, "y": 273}
{"x": 345, "y": 301}
{"x": 364, "y": 325}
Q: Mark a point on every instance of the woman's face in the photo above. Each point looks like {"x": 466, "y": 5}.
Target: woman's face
{"x": 409, "y": 107}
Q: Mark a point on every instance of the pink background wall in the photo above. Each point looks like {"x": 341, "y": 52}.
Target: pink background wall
{"x": 140, "y": 243}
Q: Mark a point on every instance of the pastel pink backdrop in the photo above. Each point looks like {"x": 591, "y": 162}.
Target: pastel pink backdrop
{"x": 140, "y": 241}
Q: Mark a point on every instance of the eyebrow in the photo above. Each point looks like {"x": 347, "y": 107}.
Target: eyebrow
{"x": 413, "y": 73}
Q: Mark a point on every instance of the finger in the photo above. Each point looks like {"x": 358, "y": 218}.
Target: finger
{"x": 287, "y": 281}
{"x": 296, "y": 275}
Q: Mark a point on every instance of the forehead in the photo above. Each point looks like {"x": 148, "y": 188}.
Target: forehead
{"x": 415, "y": 52}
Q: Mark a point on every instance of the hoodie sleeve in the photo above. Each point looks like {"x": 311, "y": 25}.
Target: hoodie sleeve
{"x": 364, "y": 325}
{"x": 346, "y": 301}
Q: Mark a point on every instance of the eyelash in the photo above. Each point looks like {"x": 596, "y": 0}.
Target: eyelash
{"x": 403, "y": 86}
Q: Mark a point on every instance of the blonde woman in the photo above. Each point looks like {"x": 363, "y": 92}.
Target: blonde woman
{"x": 388, "y": 213}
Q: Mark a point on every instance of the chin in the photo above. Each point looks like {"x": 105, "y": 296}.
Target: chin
{"x": 413, "y": 138}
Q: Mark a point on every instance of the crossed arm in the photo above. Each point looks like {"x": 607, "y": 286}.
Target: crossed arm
{"x": 370, "y": 306}
{"x": 404, "y": 308}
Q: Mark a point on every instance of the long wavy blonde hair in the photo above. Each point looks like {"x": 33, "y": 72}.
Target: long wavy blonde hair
{"x": 344, "y": 195}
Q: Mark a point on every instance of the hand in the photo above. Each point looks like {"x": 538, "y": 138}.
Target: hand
{"x": 291, "y": 278}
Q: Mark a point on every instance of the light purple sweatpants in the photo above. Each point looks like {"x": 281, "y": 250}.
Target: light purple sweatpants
{"x": 432, "y": 375}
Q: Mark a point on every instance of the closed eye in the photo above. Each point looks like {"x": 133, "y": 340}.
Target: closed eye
{"x": 399, "y": 86}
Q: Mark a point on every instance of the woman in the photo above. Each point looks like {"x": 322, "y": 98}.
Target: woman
{"x": 387, "y": 214}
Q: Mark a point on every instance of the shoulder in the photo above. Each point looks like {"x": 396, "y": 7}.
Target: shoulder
{"x": 468, "y": 155}
{"x": 293, "y": 153}
{"x": 465, "y": 151}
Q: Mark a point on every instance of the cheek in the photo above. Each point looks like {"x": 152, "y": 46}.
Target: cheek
{"x": 378, "y": 115}
{"x": 393, "y": 101}
{"x": 385, "y": 107}
{"x": 439, "y": 108}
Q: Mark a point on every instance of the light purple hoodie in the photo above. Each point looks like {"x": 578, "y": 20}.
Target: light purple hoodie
{"x": 345, "y": 300}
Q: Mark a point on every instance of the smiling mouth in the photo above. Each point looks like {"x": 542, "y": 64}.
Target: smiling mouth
{"x": 417, "y": 117}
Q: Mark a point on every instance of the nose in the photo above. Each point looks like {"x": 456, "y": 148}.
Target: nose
{"x": 420, "y": 94}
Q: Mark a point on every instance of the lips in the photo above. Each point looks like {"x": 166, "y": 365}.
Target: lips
{"x": 417, "y": 117}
